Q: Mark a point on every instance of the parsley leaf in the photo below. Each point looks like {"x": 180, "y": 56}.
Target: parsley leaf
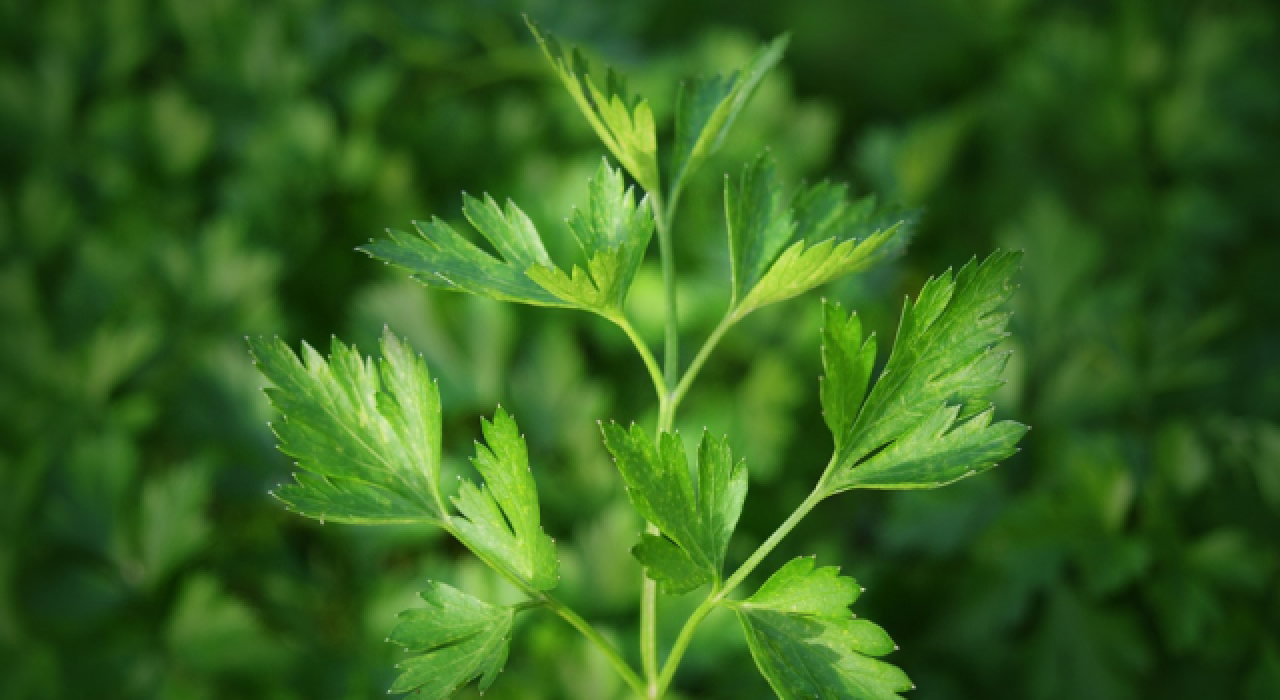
{"x": 368, "y": 434}
{"x": 613, "y": 232}
{"x": 807, "y": 645}
{"x": 457, "y": 638}
{"x": 696, "y": 525}
{"x": 926, "y": 421}
{"x": 783, "y": 245}
{"x": 439, "y": 257}
{"x": 707, "y": 107}
{"x": 624, "y": 122}
{"x": 501, "y": 519}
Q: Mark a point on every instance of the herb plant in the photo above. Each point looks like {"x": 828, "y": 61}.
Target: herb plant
{"x": 367, "y": 435}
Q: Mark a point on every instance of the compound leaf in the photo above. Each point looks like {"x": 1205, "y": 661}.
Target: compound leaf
{"x": 926, "y": 421}
{"x": 456, "y": 638}
{"x": 806, "y": 643}
{"x": 501, "y": 520}
{"x": 782, "y": 245}
{"x": 368, "y": 435}
{"x": 624, "y": 122}
{"x": 696, "y": 524}
{"x": 613, "y": 232}
{"x": 707, "y": 107}
{"x": 439, "y": 257}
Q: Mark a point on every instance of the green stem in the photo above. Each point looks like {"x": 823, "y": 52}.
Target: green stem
{"x": 671, "y": 349}
{"x": 783, "y": 530}
{"x": 659, "y": 383}
{"x": 666, "y": 418}
{"x": 682, "y": 641}
{"x": 619, "y": 664}
{"x": 700, "y": 359}
{"x": 718, "y": 594}
{"x": 539, "y": 598}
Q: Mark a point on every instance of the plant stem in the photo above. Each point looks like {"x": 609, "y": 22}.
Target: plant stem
{"x": 719, "y": 593}
{"x": 700, "y": 359}
{"x": 666, "y": 418}
{"x": 619, "y": 664}
{"x": 542, "y": 598}
{"x": 659, "y": 383}
{"x": 814, "y": 498}
{"x": 671, "y": 349}
{"x": 682, "y": 641}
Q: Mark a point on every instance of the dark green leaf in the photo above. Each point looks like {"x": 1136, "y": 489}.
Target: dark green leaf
{"x": 848, "y": 360}
{"x": 696, "y": 526}
{"x": 707, "y": 107}
{"x": 926, "y": 421}
{"x": 807, "y": 645}
{"x": 456, "y": 637}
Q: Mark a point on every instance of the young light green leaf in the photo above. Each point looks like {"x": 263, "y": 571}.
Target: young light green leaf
{"x": 707, "y": 107}
{"x": 501, "y": 519}
{"x": 781, "y": 246}
{"x": 369, "y": 434}
{"x": 456, "y": 638}
{"x": 696, "y": 527}
{"x": 613, "y": 232}
{"x": 439, "y": 257}
{"x": 926, "y": 421}
{"x": 807, "y": 645}
{"x": 624, "y": 122}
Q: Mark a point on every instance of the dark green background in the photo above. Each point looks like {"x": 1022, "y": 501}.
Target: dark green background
{"x": 176, "y": 175}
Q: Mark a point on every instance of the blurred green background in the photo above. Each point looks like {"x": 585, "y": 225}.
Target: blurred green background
{"x": 176, "y": 175}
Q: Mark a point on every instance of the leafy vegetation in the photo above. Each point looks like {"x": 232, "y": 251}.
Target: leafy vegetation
{"x": 184, "y": 174}
{"x": 370, "y": 434}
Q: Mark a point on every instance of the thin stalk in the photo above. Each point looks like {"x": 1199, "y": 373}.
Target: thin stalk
{"x": 543, "y": 599}
{"x": 666, "y": 417}
{"x": 671, "y": 349}
{"x": 682, "y": 641}
{"x": 619, "y": 664}
{"x": 659, "y": 383}
{"x": 814, "y": 498}
{"x": 649, "y": 626}
{"x": 700, "y": 359}
{"x": 719, "y": 593}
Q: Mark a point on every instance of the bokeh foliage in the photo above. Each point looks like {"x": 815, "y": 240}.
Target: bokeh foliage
{"x": 177, "y": 175}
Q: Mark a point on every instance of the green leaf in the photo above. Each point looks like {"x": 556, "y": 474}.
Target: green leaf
{"x": 624, "y": 122}
{"x": 696, "y": 526}
{"x": 926, "y": 421}
{"x": 614, "y": 233}
{"x": 439, "y": 257}
{"x": 457, "y": 638}
{"x": 502, "y": 521}
{"x": 707, "y": 107}
{"x": 848, "y": 360}
{"x": 781, "y": 246}
{"x": 368, "y": 434}
{"x": 807, "y": 645}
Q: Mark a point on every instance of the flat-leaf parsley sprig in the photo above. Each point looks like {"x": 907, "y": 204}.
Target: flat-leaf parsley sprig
{"x": 366, "y": 433}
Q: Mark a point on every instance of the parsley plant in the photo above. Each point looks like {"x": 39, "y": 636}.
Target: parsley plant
{"x": 367, "y": 435}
